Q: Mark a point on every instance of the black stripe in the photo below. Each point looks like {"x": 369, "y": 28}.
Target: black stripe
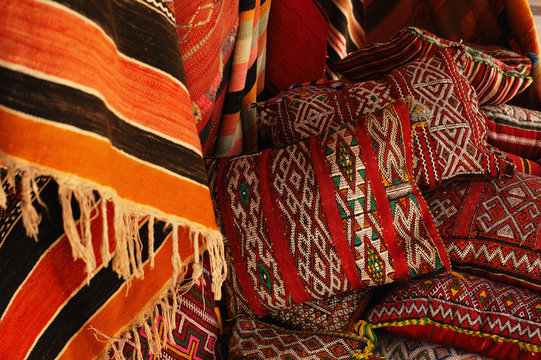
{"x": 137, "y": 30}
{"x": 523, "y": 125}
{"x": 85, "y": 303}
{"x": 70, "y": 106}
{"x": 18, "y": 253}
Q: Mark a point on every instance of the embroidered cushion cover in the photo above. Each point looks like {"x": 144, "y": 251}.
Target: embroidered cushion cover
{"x": 515, "y": 129}
{"x": 475, "y": 314}
{"x": 253, "y": 339}
{"x": 337, "y": 313}
{"x": 450, "y": 143}
{"x": 492, "y": 228}
{"x": 394, "y": 347}
{"x": 326, "y": 215}
{"x": 494, "y": 81}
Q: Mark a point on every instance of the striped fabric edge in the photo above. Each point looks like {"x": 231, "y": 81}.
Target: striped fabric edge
{"x": 495, "y": 82}
{"x": 238, "y": 130}
{"x": 183, "y": 200}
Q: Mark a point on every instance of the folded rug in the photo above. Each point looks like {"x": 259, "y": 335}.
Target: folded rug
{"x": 93, "y": 96}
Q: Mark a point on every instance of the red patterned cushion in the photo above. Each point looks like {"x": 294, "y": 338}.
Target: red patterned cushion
{"x": 453, "y": 141}
{"x": 449, "y": 142}
{"x": 494, "y": 81}
{"x": 492, "y": 227}
{"x": 475, "y": 314}
{"x": 514, "y": 129}
{"x": 393, "y": 347}
{"x": 337, "y": 313}
{"x": 254, "y": 339}
{"x": 326, "y": 215}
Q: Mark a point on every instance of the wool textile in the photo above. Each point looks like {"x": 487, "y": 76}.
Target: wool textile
{"x": 326, "y": 215}
{"x": 94, "y": 97}
{"x": 207, "y": 30}
{"x": 473, "y": 313}
{"x": 492, "y": 227}
{"x": 238, "y": 131}
{"x": 257, "y": 340}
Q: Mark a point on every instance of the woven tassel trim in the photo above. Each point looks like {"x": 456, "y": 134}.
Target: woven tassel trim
{"x": 126, "y": 260}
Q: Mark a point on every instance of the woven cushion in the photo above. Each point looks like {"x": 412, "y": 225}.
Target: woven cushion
{"x": 326, "y": 215}
{"x": 514, "y": 129}
{"x": 450, "y": 140}
{"x": 492, "y": 227}
{"x": 475, "y": 314}
{"x": 337, "y": 313}
{"x": 393, "y": 347}
{"x": 494, "y": 81}
{"x": 252, "y": 339}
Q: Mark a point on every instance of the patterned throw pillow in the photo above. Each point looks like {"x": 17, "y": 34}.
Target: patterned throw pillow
{"x": 449, "y": 142}
{"x": 253, "y": 339}
{"x": 337, "y": 313}
{"x": 515, "y": 129}
{"x": 494, "y": 81}
{"x": 475, "y": 314}
{"x": 329, "y": 214}
{"x": 492, "y": 228}
{"x": 393, "y": 347}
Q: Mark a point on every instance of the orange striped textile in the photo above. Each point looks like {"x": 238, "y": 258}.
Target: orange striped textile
{"x": 238, "y": 131}
{"x": 105, "y": 209}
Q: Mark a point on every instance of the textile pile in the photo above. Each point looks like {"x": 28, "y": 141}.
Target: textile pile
{"x": 211, "y": 180}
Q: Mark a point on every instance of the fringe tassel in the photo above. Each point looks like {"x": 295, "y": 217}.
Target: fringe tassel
{"x": 126, "y": 259}
{"x": 31, "y": 218}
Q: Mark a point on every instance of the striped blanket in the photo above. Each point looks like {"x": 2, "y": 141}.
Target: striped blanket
{"x": 104, "y": 202}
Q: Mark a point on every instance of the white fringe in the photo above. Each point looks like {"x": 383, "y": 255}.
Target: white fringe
{"x": 126, "y": 259}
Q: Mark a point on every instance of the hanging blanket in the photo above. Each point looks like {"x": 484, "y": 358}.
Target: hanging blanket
{"x": 93, "y": 99}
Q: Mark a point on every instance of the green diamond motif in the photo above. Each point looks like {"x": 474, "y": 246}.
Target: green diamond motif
{"x": 264, "y": 276}
{"x": 374, "y": 265}
{"x": 346, "y": 161}
{"x": 244, "y": 193}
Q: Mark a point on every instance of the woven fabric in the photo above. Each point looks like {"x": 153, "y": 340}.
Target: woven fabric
{"x": 496, "y": 231}
{"x": 253, "y": 339}
{"x": 393, "y": 347}
{"x": 94, "y": 97}
{"x": 238, "y": 131}
{"x": 196, "y": 333}
{"x": 515, "y": 129}
{"x": 452, "y": 143}
{"x": 525, "y": 166}
{"x": 494, "y": 81}
{"x": 311, "y": 220}
{"x": 207, "y": 31}
{"x": 466, "y": 311}
{"x": 310, "y": 108}
{"x": 336, "y": 313}
{"x": 296, "y": 50}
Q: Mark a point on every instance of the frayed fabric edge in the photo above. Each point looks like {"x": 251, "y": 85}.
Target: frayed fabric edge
{"x": 126, "y": 260}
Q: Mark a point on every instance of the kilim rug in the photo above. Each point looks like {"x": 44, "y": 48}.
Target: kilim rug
{"x": 93, "y": 95}
{"x": 238, "y": 132}
{"x": 207, "y": 30}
